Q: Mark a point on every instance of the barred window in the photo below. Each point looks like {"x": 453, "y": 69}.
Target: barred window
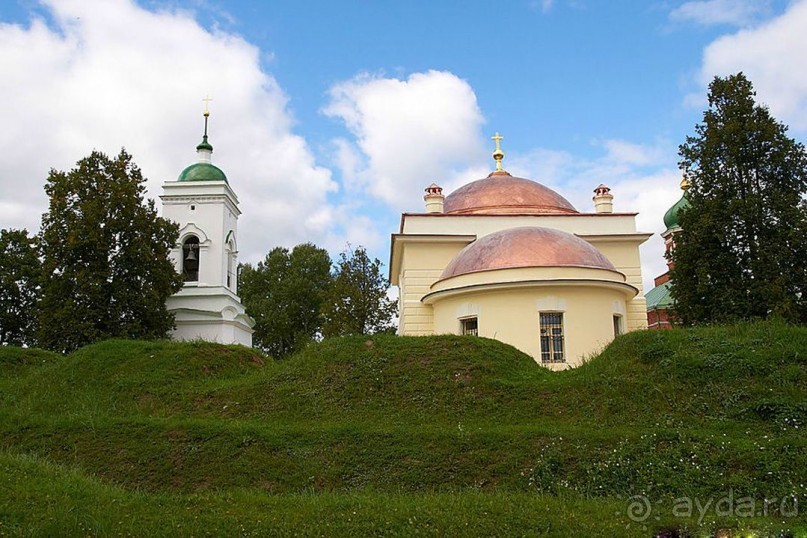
{"x": 469, "y": 326}
{"x": 552, "y": 337}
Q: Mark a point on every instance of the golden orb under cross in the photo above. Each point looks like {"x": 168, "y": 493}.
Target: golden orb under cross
{"x": 498, "y": 154}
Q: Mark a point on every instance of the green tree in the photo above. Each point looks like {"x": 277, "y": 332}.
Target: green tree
{"x": 742, "y": 251}
{"x": 357, "y": 301}
{"x": 284, "y": 294}
{"x": 106, "y": 271}
{"x": 19, "y": 283}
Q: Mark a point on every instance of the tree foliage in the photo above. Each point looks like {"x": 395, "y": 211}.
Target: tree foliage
{"x": 743, "y": 247}
{"x": 106, "y": 271}
{"x": 357, "y": 301}
{"x": 19, "y": 283}
{"x": 284, "y": 293}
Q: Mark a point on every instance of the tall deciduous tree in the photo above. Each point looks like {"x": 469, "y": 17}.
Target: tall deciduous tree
{"x": 19, "y": 282}
{"x": 284, "y": 294}
{"x": 106, "y": 270}
{"x": 742, "y": 251}
{"x": 357, "y": 301}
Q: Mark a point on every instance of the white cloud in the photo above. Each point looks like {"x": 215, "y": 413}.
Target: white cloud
{"x": 643, "y": 179}
{"x": 114, "y": 74}
{"x": 409, "y": 132}
{"x": 545, "y": 6}
{"x": 109, "y": 74}
{"x": 770, "y": 55}
{"x": 629, "y": 153}
{"x": 651, "y": 196}
{"x": 713, "y": 12}
{"x": 427, "y": 128}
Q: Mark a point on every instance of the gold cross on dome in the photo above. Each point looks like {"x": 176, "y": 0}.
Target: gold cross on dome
{"x": 498, "y": 154}
{"x": 498, "y": 138}
{"x": 207, "y": 100}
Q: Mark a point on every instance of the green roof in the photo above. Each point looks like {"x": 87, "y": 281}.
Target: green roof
{"x": 202, "y": 172}
{"x": 671, "y": 216}
{"x": 204, "y": 144}
{"x": 659, "y": 297}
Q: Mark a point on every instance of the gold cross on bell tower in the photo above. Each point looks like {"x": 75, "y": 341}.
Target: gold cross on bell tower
{"x": 206, "y": 101}
{"x": 498, "y": 154}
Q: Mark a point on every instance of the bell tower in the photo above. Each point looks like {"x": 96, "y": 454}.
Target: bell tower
{"x": 205, "y": 207}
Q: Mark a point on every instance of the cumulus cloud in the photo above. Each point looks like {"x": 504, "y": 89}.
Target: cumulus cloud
{"x": 651, "y": 195}
{"x": 643, "y": 178}
{"x": 104, "y": 75}
{"x": 408, "y": 133}
{"x": 113, "y": 74}
{"x": 770, "y": 55}
{"x": 714, "y": 12}
{"x": 426, "y": 128}
{"x": 544, "y": 6}
{"x": 629, "y": 153}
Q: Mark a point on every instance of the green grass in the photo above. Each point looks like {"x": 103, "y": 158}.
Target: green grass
{"x": 432, "y": 435}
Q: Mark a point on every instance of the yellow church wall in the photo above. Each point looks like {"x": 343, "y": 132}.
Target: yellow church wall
{"x": 624, "y": 254}
{"x": 421, "y": 265}
{"x": 512, "y": 316}
{"x": 583, "y": 275}
{"x": 427, "y": 243}
{"x": 581, "y": 224}
{"x": 612, "y": 234}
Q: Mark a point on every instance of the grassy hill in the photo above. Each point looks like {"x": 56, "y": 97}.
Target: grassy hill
{"x": 402, "y": 436}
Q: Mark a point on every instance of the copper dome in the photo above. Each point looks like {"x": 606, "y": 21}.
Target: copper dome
{"x": 529, "y": 246}
{"x": 501, "y": 193}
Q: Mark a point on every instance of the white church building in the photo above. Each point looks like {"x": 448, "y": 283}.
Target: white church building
{"x": 204, "y": 205}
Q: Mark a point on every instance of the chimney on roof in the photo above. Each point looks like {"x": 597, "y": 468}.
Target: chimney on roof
{"x": 434, "y": 198}
{"x": 603, "y": 199}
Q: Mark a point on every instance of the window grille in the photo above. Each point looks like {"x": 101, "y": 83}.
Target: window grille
{"x": 470, "y": 326}
{"x": 552, "y": 337}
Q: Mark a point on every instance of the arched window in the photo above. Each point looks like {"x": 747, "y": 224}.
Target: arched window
{"x": 190, "y": 259}
{"x": 231, "y": 268}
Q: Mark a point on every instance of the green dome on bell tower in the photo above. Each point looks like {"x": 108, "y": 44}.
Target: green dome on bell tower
{"x": 203, "y": 170}
{"x": 671, "y": 216}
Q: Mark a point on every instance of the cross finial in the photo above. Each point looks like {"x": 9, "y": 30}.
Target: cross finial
{"x": 206, "y": 101}
{"x": 498, "y": 154}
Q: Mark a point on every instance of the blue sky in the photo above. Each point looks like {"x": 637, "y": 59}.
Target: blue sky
{"x": 330, "y": 117}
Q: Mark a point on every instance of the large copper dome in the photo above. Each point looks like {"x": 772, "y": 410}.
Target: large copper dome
{"x": 529, "y": 246}
{"x": 501, "y": 193}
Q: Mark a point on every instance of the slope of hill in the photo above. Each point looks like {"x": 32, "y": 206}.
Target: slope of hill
{"x": 390, "y": 423}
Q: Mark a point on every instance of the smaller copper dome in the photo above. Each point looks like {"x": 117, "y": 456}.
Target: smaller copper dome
{"x": 501, "y": 193}
{"x": 529, "y": 246}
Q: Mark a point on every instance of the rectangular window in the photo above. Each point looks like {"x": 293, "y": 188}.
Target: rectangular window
{"x": 552, "y": 337}
{"x": 469, "y": 326}
{"x": 617, "y": 326}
